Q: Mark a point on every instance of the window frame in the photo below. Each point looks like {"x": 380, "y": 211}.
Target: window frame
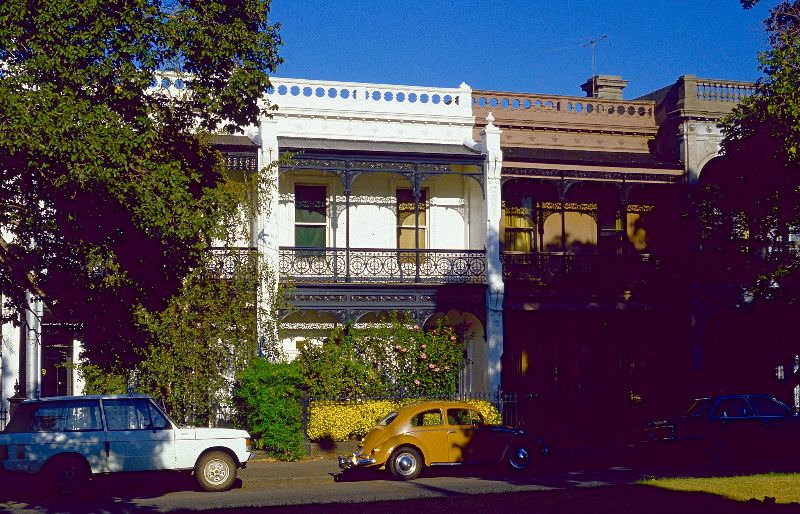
{"x": 311, "y": 224}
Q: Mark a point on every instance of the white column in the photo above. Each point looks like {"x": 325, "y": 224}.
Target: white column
{"x": 33, "y": 347}
{"x": 490, "y": 142}
{"x": 266, "y": 233}
{"x": 10, "y": 350}
{"x": 77, "y": 382}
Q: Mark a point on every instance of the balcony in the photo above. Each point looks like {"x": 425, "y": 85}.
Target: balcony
{"x": 381, "y": 265}
{"x": 589, "y": 270}
{"x": 226, "y": 262}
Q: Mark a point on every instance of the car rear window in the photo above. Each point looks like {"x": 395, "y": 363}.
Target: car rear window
{"x": 63, "y": 416}
{"x": 697, "y": 407}
{"x": 387, "y": 419}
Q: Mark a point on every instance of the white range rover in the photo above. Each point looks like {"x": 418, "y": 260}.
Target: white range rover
{"x": 70, "y": 438}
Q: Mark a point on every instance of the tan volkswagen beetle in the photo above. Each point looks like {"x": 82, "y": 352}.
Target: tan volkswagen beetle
{"x": 441, "y": 433}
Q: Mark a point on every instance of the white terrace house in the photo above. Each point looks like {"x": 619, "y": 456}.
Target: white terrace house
{"x": 388, "y": 204}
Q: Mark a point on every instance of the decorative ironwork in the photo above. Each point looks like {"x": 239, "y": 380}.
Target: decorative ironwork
{"x": 361, "y": 265}
{"x": 371, "y": 298}
{"x": 548, "y": 268}
{"x": 382, "y": 166}
{"x": 226, "y": 262}
{"x": 241, "y": 161}
{"x": 615, "y": 176}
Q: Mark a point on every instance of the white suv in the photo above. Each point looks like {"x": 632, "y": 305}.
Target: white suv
{"x": 72, "y": 437}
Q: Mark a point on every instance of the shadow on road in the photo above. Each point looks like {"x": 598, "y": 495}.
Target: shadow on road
{"x": 103, "y": 493}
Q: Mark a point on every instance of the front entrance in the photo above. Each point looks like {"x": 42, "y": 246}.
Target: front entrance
{"x": 56, "y": 360}
{"x": 588, "y": 374}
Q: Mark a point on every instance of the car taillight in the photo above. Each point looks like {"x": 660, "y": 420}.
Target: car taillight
{"x": 247, "y": 443}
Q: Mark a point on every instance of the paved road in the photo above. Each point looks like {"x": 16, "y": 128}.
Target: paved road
{"x": 309, "y": 486}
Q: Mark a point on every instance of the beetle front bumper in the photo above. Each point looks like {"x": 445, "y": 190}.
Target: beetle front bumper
{"x": 356, "y": 460}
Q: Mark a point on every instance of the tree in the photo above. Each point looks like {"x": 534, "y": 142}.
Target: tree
{"x": 749, "y": 207}
{"x": 753, "y": 196}
{"x": 110, "y": 190}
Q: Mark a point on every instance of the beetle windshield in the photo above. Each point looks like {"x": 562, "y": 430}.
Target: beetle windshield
{"x": 387, "y": 419}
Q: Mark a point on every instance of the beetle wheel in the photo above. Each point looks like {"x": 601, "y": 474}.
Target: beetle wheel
{"x": 405, "y": 463}
{"x": 519, "y": 458}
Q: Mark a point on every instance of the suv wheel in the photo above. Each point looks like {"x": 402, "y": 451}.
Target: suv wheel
{"x": 67, "y": 474}
{"x": 215, "y": 471}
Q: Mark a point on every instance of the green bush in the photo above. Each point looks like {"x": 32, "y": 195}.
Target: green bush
{"x": 398, "y": 358}
{"x": 269, "y": 402}
{"x": 346, "y": 420}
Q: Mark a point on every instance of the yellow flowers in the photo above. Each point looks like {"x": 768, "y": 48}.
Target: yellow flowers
{"x": 346, "y": 420}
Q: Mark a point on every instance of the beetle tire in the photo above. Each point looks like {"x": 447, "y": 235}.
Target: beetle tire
{"x": 215, "y": 471}
{"x": 405, "y": 463}
{"x": 519, "y": 457}
{"x": 67, "y": 474}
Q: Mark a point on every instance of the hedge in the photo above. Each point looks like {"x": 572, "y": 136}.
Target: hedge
{"x": 352, "y": 419}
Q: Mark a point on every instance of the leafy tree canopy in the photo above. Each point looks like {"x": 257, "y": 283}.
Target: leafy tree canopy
{"x": 110, "y": 191}
{"x": 750, "y": 199}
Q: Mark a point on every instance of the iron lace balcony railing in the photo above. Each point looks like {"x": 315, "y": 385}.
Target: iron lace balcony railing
{"x": 552, "y": 268}
{"x": 227, "y": 261}
{"x": 387, "y": 265}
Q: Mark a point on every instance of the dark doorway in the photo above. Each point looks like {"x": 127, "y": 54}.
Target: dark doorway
{"x": 56, "y": 360}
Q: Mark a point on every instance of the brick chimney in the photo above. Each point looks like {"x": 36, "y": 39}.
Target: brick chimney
{"x": 605, "y": 86}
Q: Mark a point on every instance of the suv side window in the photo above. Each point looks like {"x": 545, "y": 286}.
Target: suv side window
{"x": 74, "y": 416}
{"x": 127, "y": 414}
{"x": 158, "y": 420}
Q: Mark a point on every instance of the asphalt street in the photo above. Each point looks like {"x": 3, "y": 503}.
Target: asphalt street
{"x": 315, "y": 486}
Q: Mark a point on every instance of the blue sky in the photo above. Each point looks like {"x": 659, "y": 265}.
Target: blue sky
{"x": 517, "y": 45}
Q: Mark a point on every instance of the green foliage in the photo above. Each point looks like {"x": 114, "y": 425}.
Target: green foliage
{"x": 109, "y": 193}
{"x": 268, "y": 400}
{"x": 398, "y": 357}
{"x": 749, "y": 206}
{"x": 100, "y": 381}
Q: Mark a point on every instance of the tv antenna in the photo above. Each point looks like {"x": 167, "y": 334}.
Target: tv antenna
{"x": 593, "y": 43}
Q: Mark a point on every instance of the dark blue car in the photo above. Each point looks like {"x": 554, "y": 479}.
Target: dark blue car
{"x": 733, "y": 427}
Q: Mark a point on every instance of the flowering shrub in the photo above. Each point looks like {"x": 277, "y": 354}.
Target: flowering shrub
{"x": 345, "y": 420}
{"x": 398, "y": 357}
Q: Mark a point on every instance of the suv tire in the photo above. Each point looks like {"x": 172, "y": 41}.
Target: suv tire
{"x": 215, "y": 471}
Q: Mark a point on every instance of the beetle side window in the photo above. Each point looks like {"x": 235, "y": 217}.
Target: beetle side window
{"x": 127, "y": 414}
{"x": 732, "y": 408}
{"x": 427, "y": 418}
{"x": 464, "y": 417}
